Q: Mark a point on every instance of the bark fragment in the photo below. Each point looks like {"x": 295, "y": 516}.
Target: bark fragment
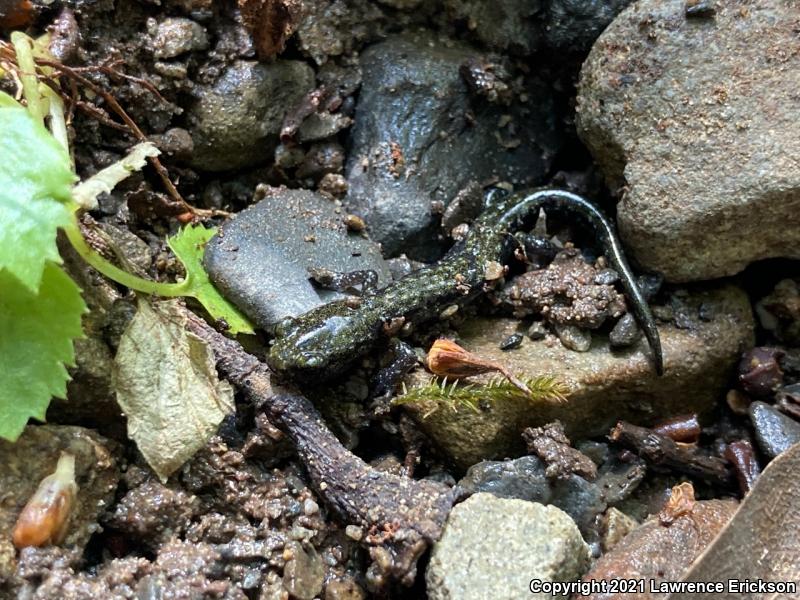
{"x": 399, "y": 517}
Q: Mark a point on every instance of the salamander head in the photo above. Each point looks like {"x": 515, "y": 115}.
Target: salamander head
{"x": 320, "y": 342}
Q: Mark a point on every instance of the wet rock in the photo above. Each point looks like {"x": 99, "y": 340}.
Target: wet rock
{"x": 330, "y": 29}
{"x": 574, "y": 338}
{"x": 320, "y": 126}
{"x": 662, "y": 548}
{"x": 625, "y": 333}
{"x": 235, "y": 123}
{"x": 525, "y": 478}
{"x": 775, "y": 432}
{"x": 260, "y": 259}
{"x": 511, "y": 342}
{"x": 604, "y": 386}
{"x": 537, "y": 331}
{"x": 695, "y": 116}
{"x": 33, "y": 457}
{"x": 420, "y": 138}
{"x": 175, "y": 143}
{"x": 493, "y": 547}
{"x": 152, "y": 513}
{"x": 615, "y": 526}
{"x": 175, "y": 36}
{"x": 304, "y": 572}
{"x": 573, "y": 25}
{"x": 567, "y": 292}
{"x": 779, "y": 312}
{"x": 760, "y": 372}
{"x": 502, "y": 25}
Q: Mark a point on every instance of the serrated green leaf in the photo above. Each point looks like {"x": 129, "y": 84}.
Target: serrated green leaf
{"x": 36, "y": 334}
{"x": 35, "y": 183}
{"x": 189, "y": 245}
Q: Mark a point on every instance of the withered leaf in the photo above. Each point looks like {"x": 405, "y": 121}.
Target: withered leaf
{"x": 658, "y": 551}
{"x": 762, "y": 541}
{"x": 271, "y": 23}
{"x": 167, "y": 384}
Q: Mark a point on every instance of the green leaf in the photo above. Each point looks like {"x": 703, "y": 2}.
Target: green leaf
{"x": 36, "y": 334}
{"x": 189, "y": 245}
{"x": 35, "y": 183}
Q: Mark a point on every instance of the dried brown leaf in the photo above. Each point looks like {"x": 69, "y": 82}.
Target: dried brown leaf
{"x": 167, "y": 385}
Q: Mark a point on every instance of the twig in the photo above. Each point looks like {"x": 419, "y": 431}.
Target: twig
{"x": 660, "y": 450}
{"x": 398, "y": 517}
{"x": 74, "y": 73}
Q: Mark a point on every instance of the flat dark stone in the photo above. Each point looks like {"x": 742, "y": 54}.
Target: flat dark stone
{"x": 775, "y": 432}
{"x": 420, "y": 136}
{"x": 260, "y": 259}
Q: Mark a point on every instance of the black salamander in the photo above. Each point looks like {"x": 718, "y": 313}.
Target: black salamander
{"x": 326, "y": 340}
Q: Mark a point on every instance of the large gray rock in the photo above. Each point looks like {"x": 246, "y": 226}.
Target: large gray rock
{"x": 524, "y": 26}
{"x": 702, "y": 344}
{"x": 524, "y": 479}
{"x": 492, "y": 547}
{"x": 698, "y": 117}
{"x": 235, "y": 123}
{"x": 502, "y": 25}
{"x": 420, "y": 136}
{"x": 259, "y": 260}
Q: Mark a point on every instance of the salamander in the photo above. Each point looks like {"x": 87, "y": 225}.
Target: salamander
{"x": 326, "y": 340}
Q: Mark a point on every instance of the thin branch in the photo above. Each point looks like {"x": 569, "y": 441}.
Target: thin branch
{"x": 399, "y": 517}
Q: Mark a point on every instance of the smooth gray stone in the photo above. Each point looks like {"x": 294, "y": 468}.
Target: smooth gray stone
{"x": 260, "y": 259}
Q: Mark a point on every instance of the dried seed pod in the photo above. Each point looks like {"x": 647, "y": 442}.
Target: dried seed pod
{"x": 448, "y": 359}
{"x": 45, "y": 518}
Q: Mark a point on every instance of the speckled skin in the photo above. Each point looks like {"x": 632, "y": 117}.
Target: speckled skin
{"x": 327, "y": 339}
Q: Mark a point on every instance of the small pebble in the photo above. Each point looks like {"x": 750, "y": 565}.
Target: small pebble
{"x": 737, "y": 401}
{"x": 574, "y": 338}
{"x": 760, "y": 373}
{"x": 775, "y": 432}
{"x": 333, "y": 184}
{"x": 606, "y": 277}
{"x": 649, "y": 285}
{"x": 176, "y": 36}
{"x": 700, "y": 8}
{"x": 625, "y": 333}
{"x": 310, "y": 507}
{"x": 448, "y": 312}
{"x": 537, "y": 331}
{"x": 511, "y": 342}
{"x": 354, "y": 223}
{"x": 354, "y": 532}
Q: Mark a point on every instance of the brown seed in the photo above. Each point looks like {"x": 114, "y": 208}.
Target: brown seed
{"x": 45, "y": 518}
{"x": 354, "y": 223}
{"x": 448, "y": 359}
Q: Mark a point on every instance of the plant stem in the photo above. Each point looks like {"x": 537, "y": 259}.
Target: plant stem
{"x": 27, "y": 74}
{"x": 114, "y": 273}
